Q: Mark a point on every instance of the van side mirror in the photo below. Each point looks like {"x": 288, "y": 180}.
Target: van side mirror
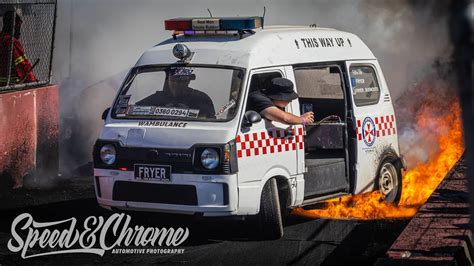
{"x": 251, "y": 117}
{"x": 105, "y": 113}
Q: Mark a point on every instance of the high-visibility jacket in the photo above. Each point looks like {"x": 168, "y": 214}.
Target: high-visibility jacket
{"x": 21, "y": 71}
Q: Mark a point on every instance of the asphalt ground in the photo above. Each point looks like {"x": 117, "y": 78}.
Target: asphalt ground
{"x": 217, "y": 242}
{"x": 210, "y": 241}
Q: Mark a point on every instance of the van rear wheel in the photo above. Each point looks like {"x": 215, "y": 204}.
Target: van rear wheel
{"x": 390, "y": 181}
{"x": 269, "y": 218}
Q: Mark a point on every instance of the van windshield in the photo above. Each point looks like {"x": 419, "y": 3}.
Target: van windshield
{"x": 180, "y": 93}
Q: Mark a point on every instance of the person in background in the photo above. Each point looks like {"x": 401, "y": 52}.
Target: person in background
{"x": 21, "y": 69}
{"x": 272, "y": 100}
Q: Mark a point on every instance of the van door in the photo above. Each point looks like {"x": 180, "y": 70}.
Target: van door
{"x": 267, "y": 148}
{"x": 321, "y": 89}
{"x": 369, "y": 120}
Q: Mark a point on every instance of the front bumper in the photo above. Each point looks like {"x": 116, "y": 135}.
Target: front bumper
{"x": 212, "y": 195}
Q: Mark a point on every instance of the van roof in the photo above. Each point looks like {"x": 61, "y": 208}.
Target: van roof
{"x": 271, "y": 46}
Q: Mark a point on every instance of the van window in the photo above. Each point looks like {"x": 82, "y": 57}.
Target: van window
{"x": 319, "y": 83}
{"x": 260, "y": 81}
{"x": 320, "y": 90}
{"x": 180, "y": 93}
{"x": 364, "y": 84}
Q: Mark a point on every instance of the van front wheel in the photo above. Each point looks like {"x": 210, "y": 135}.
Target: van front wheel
{"x": 269, "y": 217}
{"x": 390, "y": 181}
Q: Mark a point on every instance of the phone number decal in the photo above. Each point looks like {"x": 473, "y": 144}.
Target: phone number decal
{"x": 176, "y": 112}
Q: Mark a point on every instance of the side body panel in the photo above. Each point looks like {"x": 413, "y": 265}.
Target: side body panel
{"x": 375, "y": 128}
{"x": 265, "y": 150}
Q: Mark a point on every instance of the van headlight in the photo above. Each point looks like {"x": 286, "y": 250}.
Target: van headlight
{"x": 210, "y": 158}
{"x": 108, "y": 154}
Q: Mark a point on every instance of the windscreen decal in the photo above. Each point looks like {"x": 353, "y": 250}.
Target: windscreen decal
{"x": 140, "y": 110}
{"x": 160, "y": 111}
{"x": 225, "y": 108}
{"x": 176, "y": 112}
{"x": 122, "y": 104}
{"x": 121, "y": 111}
{"x": 123, "y": 100}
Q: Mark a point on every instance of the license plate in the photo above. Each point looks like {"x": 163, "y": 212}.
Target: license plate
{"x": 153, "y": 172}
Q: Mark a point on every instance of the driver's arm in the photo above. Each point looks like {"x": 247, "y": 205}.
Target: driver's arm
{"x": 275, "y": 114}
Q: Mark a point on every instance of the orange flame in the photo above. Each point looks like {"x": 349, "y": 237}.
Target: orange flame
{"x": 418, "y": 183}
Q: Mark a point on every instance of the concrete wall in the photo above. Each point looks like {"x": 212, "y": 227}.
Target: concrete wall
{"x": 28, "y": 134}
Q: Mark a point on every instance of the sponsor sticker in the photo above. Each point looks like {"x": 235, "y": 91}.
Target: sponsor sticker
{"x": 140, "y": 110}
{"x": 225, "y": 108}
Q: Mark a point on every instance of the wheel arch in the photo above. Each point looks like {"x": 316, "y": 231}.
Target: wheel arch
{"x": 390, "y": 154}
{"x": 282, "y": 177}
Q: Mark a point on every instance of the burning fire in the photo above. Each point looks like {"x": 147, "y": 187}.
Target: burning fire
{"x": 418, "y": 183}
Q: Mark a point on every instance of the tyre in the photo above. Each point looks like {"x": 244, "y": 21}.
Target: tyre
{"x": 269, "y": 218}
{"x": 389, "y": 180}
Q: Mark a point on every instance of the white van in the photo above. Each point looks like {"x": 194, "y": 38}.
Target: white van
{"x": 203, "y": 152}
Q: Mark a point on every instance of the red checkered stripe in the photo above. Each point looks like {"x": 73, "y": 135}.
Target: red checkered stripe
{"x": 359, "y": 129}
{"x": 269, "y": 142}
{"x": 385, "y": 126}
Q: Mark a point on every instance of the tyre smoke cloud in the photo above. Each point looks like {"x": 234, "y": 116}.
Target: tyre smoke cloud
{"x": 98, "y": 41}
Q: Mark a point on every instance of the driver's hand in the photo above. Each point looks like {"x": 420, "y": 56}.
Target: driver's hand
{"x": 309, "y": 117}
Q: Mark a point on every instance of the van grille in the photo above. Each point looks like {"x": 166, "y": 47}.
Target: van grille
{"x": 155, "y": 193}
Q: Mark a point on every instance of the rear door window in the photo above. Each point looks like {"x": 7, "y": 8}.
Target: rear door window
{"x": 364, "y": 84}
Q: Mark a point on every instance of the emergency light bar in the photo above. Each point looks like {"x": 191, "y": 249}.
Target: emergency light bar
{"x": 213, "y": 24}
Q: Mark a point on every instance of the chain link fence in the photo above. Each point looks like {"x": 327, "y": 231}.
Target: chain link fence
{"x": 26, "y": 43}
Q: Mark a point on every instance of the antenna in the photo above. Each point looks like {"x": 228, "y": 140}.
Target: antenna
{"x": 208, "y": 10}
{"x": 263, "y": 16}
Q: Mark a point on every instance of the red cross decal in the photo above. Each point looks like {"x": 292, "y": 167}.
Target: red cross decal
{"x": 369, "y": 132}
